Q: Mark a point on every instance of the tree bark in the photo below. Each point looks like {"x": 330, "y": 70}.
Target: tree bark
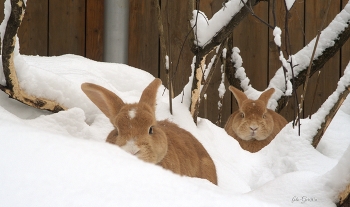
{"x": 12, "y": 87}
{"x": 344, "y": 198}
{"x": 201, "y": 52}
{"x": 330, "y": 116}
{"x": 317, "y": 64}
{"x": 226, "y": 31}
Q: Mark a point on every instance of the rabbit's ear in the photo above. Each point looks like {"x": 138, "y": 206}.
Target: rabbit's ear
{"x": 239, "y": 95}
{"x": 108, "y": 102}
{"x": 149, "y": 95}
{"x": 266, "y": 95}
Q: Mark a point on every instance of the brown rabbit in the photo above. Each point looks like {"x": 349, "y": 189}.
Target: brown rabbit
{"x": 160, "y": 142}
{"x": 253, "y": 125}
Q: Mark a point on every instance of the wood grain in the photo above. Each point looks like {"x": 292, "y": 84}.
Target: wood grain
{"x": 143, "y": 37}
{"x": 67, "y": 27}
{"x": 94, "y": 29}
{"x": 345, "y": 51}
{"x": 34, "y": 39}
{"x": 314, "y": 15}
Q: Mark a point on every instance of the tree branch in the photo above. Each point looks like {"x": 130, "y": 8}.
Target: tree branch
{"x": 317, "y": 64}
{"x": 200, "y": 53}
{"x": 230, "y": 70}
{"x": 330, "y": 116}
{"x": 12, "y": 87}
{"x": 344, "y": 198}
{"x": 164, "y": 53}
{"x": 225, "y": 31}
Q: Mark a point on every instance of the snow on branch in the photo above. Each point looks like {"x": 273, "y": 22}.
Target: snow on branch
{"x": 332, "y": 38}
{"x": 322, "y": 118}
{"x": 289, "y": 3}
{"x": 205, "y": 29}
{"x": 12, "y": 87}
{"x": 211, "y": 33}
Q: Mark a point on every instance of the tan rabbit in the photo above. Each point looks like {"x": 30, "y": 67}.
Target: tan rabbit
{"x": 253, "y": 125}
{"x": 160, "y": 142}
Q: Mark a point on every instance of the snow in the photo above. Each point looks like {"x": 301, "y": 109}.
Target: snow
{"x": 62, "y": 159}
{"x": 167, "y": 62}
{"x": 277, "y": 34}
{"x": 301, "y": 59}
{"x": 289, "y": 4}
{"x": 205, "y": 29}
{"x": 222, "y": 88}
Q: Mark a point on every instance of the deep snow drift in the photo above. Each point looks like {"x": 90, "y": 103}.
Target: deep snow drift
{"x": 62, "y": 160}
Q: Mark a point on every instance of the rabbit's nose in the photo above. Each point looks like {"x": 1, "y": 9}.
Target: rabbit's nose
{"x": 253, "y": 128}
{"x": 131, "y": 147}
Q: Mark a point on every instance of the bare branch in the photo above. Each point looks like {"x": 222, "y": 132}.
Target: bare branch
{"x": 330, "y": 116}
{"x": 230, "y": 70}
{"x": 250, "y": 9}
{"x": 344, "y": 198}
{"x": 163, "y": 51}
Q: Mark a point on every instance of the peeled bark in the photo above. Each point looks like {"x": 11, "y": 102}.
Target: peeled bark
{"x": 12, "y": 87}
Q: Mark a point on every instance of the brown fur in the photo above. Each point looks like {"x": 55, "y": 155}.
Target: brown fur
{"x": 159, "y": 142}
{"x": 253, "y": 125}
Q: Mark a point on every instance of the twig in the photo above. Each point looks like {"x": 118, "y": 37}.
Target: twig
{"x": 314, "y": 96}
{"x": 317, "y": 64}
{"x": 211, "y": 72}
{"x": 205, "y": 100}
{"x": 250, "y": 9}
{"x": 163, "y": 52}
{"x": 312, "y": 56}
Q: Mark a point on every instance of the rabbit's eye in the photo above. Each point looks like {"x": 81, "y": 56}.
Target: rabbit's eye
{"x": 242, "y": 115}
{"x": 150, "y": 131}
{"x": 264, "y": 116}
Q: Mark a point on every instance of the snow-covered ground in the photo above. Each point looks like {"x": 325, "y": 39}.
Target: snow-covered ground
{"x": 62, "y": 159}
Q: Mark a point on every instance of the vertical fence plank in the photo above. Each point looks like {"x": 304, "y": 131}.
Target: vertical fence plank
{"x": 67, "y": 27}
{"x": 143, "y": 37}
{"x": 178, "y": 48}
{"x": 34, "y": 40}
{"x": 296, "y": 39}
{"x": 345, "y": 51}
{"x": 94, "y": 29}
{"x": 315, "y": 11}
{"x": 251, "y": 37}
{"x": 2, "y": 6}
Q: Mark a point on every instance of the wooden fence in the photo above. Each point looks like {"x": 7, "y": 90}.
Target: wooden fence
{"x": 56, "y": 27}
{"x": 254, "y": 39}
